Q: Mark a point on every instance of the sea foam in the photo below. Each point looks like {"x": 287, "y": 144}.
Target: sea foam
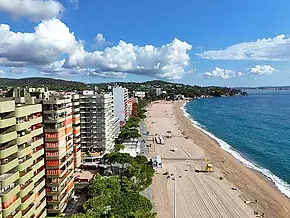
{"x": 283, "y": 186}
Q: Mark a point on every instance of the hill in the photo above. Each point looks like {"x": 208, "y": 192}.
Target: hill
{"x": 171, "y": 89}
{"x": 149, "y": 87}
{"x": 53, "y": 84}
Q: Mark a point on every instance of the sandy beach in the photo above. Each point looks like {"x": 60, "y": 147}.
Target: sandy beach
{"x": 204, "y": 194}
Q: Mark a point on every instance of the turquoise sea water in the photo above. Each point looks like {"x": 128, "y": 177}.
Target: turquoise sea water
{"x": 254, "y": 129}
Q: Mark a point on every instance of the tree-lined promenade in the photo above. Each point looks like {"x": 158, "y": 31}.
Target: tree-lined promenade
{"x": 119, "y": 196}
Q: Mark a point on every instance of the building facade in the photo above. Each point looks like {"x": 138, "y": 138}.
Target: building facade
{"x": 139, "y": 94}
{"x": 121, "y": 103}
{"x": 97, "y": 125}
{"x": 76, "y": 130}
{"x": 132, "y": 106}
{"x": 22, "y": 168}
{"x": 57, "y": 118}
{"x": 158, "y": 91}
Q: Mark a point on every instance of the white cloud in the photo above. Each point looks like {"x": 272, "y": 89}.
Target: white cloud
{"x": 45, "y": 49}
{"x": 168, "y": 61}
{"x": 2, "y": 72}
{"x": 51, "y": 39}
{"x": 274, "y": 49}
{"x": 32, "y": 9}
{"x": 262, "y": 70}
{"x": 222, "y": 74}
{"x": 18, "y": 70}
{"x": 100, "y": 40}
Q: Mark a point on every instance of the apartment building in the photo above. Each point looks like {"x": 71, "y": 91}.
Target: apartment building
{"x": 120, "y": 103}
{"x": 22, "y": 171}
{"x": 97, "y": 125}
{"x": 132, "y": 106}
{"x": 139, "y": 94}
{"x": 116, "y": 127}
{"x": 58, "y": 129}
{"x": 61, "y": 121}
{"x": 76, "y": 130}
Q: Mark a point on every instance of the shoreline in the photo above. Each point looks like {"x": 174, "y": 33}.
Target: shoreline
{"x": 253, "y": 184}
{"x": 178, "y": 188}
{"x": 250, "y": 165}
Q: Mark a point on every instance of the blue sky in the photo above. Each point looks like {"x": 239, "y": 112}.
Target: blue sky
{"x": 207, "y": 42}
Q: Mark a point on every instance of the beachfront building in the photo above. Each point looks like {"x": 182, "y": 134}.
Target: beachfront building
{"x": 57, "y": 118}
{"x": 22, "y": 170}
{"x": 116, "y": 126}
{"x": 97, "y": 125}
{"x": 76, "y": 130}
{"x": 120, "y": 104}
{"x": 132, "y": 106}
{"x": 139, "y": 94}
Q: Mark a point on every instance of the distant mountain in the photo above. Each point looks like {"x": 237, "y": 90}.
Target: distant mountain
{"x": 53, "y": 84}
{"x": 266, "y": 88}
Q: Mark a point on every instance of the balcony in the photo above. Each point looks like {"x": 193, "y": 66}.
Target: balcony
{"x": 22, "y": 152}
{"x": 17, "y": 214}
{"x": 41, "y": 197}
{"x": 25, "y": 138}
{"x": 23, "y": 124}
{"x": 55, "y": 136}
{"x": 37, "y": 142}
{"x": 7, "y": 136}
{"x": 7, "y": 106}
{"x": 8, "y": 194}
{"x": 37, "y": 165}
{"x": 25, "y": 164}
{"x": 37, "y": 154}
{"x": 53, "y": 173}
{"x": 26, "y": 201}
{"x": 8, "y": 166}
{"x": 36, "y": 120}
{"x": 26, "y": 189}
{"x": 6, "y": 122}
{"x": 43, "y": 214}
{"x": 70, "y": 165}
{"x": 39, "y": 207}
{"x": 7, "y": 151}
{"x": 61, "y": 181}
{"x": 27, "y": 110}
{"x": 39, "y": 187}
{"x": 39, "y": 176}
{"x": 28, "y": 212}
{"x": 24, "y": 177}
{"x": 37, "y": 132}
{"x": 11, "y": 208}
{"x": 9, "y": 178}
{"x": 55, "y": 155}
{"x": 57, "y": 210}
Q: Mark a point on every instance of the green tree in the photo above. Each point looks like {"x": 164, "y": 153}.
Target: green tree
{"x": 118, "y": 147}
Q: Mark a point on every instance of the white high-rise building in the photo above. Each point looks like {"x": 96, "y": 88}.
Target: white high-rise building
{"x": 121, "y": 97}
{"x": 97, "y": 125}
{"x": 158, "y": 91}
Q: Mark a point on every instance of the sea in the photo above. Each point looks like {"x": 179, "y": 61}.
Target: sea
{"x": 255, "y": 129}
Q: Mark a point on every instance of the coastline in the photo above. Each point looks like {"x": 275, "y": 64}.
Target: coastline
{"x": 263, "y": 173}
{"x": 179, "y": 188}
{"x": 251, "y": 182}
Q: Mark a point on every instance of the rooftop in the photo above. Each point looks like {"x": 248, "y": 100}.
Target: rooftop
{"x": 84, "y": 175}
